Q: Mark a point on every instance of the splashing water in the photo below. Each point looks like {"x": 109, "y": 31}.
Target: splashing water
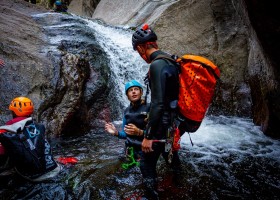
{"x": 221, "y": 135}
{"x": 125, "y": 63}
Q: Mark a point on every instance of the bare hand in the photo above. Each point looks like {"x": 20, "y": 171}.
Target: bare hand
{"x": 147, "y": 145}
{"x": 131, "y": 129}
{"x": 110, "y": 128}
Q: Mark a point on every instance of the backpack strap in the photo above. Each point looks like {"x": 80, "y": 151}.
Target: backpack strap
{"x": 171, "y": 58}
{"x": 16, "y": 127}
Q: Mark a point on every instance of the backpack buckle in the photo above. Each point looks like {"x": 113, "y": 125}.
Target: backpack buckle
{"x": 32, "y": 131}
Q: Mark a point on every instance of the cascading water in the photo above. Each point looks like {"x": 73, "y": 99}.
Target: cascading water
{"x": 230, "y": 157}
{"x": 126, "y": 64}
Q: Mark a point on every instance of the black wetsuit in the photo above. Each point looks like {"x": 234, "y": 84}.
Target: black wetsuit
{"x": 136, "y": 114}
{"x": 164, "y": 89}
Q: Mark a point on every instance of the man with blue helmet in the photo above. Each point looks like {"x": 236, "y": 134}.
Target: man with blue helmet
{"x": 60, "y": 7}
{"x": 134, "y": 118}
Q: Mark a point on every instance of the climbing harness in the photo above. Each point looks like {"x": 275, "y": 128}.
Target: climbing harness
{"x": 172, "y": 141}
{"x": 132, "y": 161}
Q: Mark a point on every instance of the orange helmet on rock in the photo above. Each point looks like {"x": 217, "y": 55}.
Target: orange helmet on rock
{"x": 21, "y": 106}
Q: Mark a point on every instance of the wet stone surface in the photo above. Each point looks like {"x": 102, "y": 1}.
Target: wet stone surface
{"x": 230, "y": 159}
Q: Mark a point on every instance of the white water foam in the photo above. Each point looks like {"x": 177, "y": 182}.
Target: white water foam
{"x": 220, "y": 136}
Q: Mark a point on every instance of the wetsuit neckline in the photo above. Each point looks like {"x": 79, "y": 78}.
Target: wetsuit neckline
{"x": 156, "y": 54}
{"x": 136, "y": 104}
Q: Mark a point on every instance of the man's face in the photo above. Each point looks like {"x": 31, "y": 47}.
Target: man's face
{"x": 134, "y": 94}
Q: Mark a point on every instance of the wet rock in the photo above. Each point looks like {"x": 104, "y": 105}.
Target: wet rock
{"x": 132, "y": 13}
{"x": 54, "y": 60}
{"x": 83, "y": 7}
{"x": 21, "y": 42}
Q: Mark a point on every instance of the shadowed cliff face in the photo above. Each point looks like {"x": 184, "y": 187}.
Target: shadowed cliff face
{"x": 264, "y": 17}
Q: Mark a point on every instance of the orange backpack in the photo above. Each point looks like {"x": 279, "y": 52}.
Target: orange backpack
{"x": 197, "y": 81}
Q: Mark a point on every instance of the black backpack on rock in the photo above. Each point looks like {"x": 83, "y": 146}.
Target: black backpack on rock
{"x": 27, "y": 148}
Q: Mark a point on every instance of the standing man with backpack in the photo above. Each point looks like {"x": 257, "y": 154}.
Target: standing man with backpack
{"x": 164, "y": 84}
{"x": 25, "y": 144}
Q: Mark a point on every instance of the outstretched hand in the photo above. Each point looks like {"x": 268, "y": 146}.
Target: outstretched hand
{"x": 110, "y": 128}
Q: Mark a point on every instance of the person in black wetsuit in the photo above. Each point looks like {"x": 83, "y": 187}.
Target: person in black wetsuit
{"x": 163, "y": 81}
{"x": 134, "y": 119}
{"x": 25, "y": 144}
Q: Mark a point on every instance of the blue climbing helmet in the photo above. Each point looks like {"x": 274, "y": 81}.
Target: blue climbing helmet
{"x": 132, "y": 83}
{"x": 58, "y": 3}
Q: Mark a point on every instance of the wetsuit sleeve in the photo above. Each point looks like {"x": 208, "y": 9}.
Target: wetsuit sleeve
{"x": 157, "y": 82}
{"x": 122, "y": 134}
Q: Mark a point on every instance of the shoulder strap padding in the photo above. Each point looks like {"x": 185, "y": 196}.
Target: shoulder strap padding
{"x": 196, "y": 58}
{"x": 201, "y": 59}
{"x": 164, "y": 57}
{"x": 18, "y": 126}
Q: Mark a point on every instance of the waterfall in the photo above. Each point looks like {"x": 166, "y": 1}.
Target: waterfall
{"x": 126, "y": 64}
